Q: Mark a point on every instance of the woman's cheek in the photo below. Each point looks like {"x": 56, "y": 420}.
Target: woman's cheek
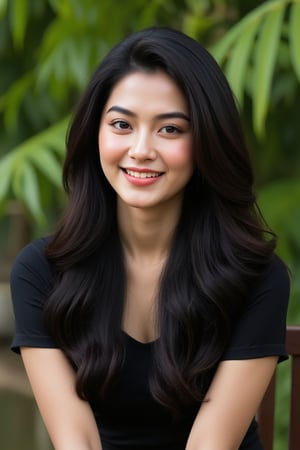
{"x": 179, "y": 154}
{"x": 110, "y": 146}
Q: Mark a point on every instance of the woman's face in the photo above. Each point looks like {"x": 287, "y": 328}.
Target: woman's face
{"x": 145, "y": 140}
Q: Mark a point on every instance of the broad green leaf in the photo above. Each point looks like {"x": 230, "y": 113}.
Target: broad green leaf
{"x": 295, "y": 37}
{"x": 237, "y": 63}
{"x": 48, "y": 165}
{"x": 264, "y": 63}
{"x": 18, "y": 21}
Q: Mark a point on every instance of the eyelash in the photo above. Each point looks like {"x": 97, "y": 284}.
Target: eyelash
{"x": 119, "y": 123}
{"x": 175, "y": 130}
{"x": 116, "y": 124}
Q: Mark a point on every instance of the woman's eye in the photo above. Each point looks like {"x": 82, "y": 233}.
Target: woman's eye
{"x": 121, "y": 125}
{"x": 170, "y": 129}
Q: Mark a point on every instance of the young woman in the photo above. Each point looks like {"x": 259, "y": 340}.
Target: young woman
{"x": 155, "y": 315}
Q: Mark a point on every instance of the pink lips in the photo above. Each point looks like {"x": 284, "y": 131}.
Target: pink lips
{"x": 141, "y": 177}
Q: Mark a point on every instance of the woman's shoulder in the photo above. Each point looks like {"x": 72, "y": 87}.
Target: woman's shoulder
{"x": 260, "y": 329}
{"x": 270, "y": 297}
{"x": 276, "y": 278}
{"x": 32, "y": 261}
{"x": 34, "y": 249}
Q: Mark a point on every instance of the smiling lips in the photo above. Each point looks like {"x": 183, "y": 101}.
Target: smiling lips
{"x": 141, "y": 177}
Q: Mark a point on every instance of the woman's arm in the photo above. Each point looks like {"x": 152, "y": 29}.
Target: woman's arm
{"x": 69, "y": 420}
{"x": 231, "y": 403}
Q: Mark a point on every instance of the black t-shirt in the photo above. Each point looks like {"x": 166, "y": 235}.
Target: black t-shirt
{"x": 130, "y": 418}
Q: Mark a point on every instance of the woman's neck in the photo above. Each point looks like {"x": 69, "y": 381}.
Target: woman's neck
{"x": 146, "y": 234}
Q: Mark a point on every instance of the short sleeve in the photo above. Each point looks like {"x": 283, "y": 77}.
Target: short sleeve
{"x": 30, "y": 282}
{"x": 261, "y": 329}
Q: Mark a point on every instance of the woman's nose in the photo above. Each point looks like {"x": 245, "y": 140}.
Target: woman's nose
{"x": 142, "y": 148}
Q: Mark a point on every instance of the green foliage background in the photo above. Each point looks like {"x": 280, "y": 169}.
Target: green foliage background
{"x": 49, "y": 49}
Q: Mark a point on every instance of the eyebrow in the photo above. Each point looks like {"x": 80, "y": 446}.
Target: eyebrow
{"x": 169, "y": 115}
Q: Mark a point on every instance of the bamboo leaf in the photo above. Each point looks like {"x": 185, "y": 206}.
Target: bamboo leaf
{"x": 30, "y": 191}
{"x": 62, "y": 61}
{"x": 279, "y": 202}
{"x": 294, "y": 33}
{"x": 16, "y": 177}
{"x": 279, "y": 199}
{"x": 293, "y": 225}
{"x": 265, "y": 58}
{"x": 61, "y": 7}
{"x": 3, "y": 7}
{"x": 221, "y": 48}
{"x": 53, "y": 137}
{"x": 48, "y": 165}
{"x": 12, "y": 165}
{"x": 5, "y": 175}
{"x": 148, "y": 13}
{"x": 18, "y": 21}
{"x": 240, "y": 55}
{"x": 12, "y": 99}
{"x": 78, "y": 61}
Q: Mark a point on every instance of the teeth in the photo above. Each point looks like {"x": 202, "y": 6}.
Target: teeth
{"x": 142, "y": 174}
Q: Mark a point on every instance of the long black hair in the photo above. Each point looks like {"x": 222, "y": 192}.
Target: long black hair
{"x": 220, "y": 247}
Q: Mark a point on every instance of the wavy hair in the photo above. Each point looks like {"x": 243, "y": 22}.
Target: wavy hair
{"x": 220, "y": 247}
